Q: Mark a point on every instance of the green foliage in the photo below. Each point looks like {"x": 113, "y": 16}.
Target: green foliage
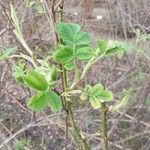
{"x": 54, "y": 102}
{"x": 118, "y": 48}
{"x": 63, "y": 54}
{"x": 71, "y": 35}
{"x": 112, "y": 48}
{"x": 48, "y": 71}
{"x": 43, "y": 99}
{"x": 38, "y": 102}
{"x": 97, "y": 95}
{"x": 95, "y": 102}
{"x": 35, "y": 80}
{"x": 18, "y": 72}
{"x": 84, "y": 53}
{"x": 69, "y": 66}
{"x": 102, "y": 46}
{"x": 6, "y": 53}
{"x": 74, "y": 45}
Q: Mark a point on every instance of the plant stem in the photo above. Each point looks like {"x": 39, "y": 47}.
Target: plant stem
{"x": 104, "y": 126}
{"x": 80, "y": 141}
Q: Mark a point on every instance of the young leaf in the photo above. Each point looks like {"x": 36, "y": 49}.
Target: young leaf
{"x": 115, "y": 47}
{"x": 18, "y": 72}
{"x": 6, "y": 52}
{"x": 36, "y": 81}
{"x": 97, "y": 89}
{"x": 102, "y": 46}
{"x": 67, "y": 31}
{"x": 63, "y": 55}
{"x": 53, "y": 73}
{"x": 88, "y": 89}
{"x": 82, "y": 38}
{"x": 95, "y": 102}
{"x": 54, "y": 101}
{"x": 38, "y": 102}
{"x": 69, "y": 66}
{"x": 43, "y": 99}
{"x": 70, "y": 34}
{"x": 84, "y": 53}
{"x": 105, "y": 96}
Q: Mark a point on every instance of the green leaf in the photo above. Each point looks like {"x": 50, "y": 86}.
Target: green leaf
{"x": 70, "y": 34}
{"x": 43, "y": 99}
{"x": 35, "y": 80}
{"x": 82, "y": 38}
{"x": 97, "y": 89}
{"x": 105, "y": 96}
{"x": 6, "y": 52}
{"x": 63, "y": 55}
{"x": 69, "y": 66}
{"x": 96, "y": 104}
{"x": 115, "y": 47}
{"x": 84, "y": 53}
{"x": 88, "y": 89}
{"x": 102, "y": 46}
{"x": 53, "y": 73}
{"x": 38, "y": 102}
{"x": 18, "y": 72}
{"x": 54, "y": 101}
{"x": 67, "y": 31}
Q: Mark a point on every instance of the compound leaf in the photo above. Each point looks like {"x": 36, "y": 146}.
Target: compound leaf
{"x": 67, "y": 31}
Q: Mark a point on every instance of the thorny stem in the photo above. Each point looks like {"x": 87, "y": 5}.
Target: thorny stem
{"x": 64, "y": 74}
{"x": 79, "y": 140}
{"x": 104, "y": 126}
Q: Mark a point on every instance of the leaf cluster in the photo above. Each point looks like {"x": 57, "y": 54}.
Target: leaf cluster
{"x": 96, "y": 95}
